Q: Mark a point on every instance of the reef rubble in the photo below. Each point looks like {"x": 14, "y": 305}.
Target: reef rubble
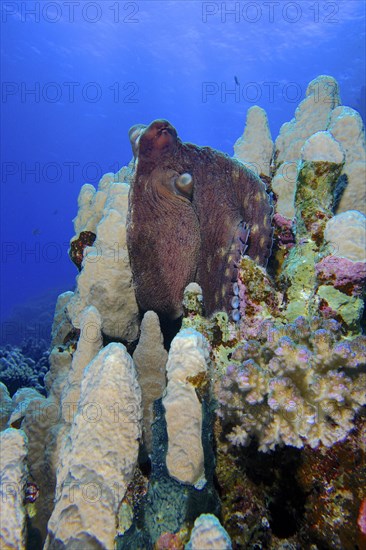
{"x": 240, "y": 429}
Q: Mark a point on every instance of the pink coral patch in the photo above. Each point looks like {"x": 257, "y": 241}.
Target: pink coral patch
{"x": 169, "y": 541}
{"x": 343, "y": 274}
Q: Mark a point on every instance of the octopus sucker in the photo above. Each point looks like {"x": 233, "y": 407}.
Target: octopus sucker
{"x": 193, "y": 213}
{"x": 235, "y": 315}
{"x": 235, "y": 289}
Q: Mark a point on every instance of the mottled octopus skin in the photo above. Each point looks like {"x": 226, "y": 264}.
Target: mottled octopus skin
{"x": 177, "y": 235}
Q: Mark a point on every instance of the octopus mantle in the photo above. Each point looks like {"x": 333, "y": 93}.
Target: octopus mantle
{"x": 193, "y": 212}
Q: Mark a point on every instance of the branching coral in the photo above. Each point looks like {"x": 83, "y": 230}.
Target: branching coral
{"x": 298, "y": 384}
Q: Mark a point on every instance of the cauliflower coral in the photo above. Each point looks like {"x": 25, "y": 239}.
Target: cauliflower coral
{"x": 296, "y": 384}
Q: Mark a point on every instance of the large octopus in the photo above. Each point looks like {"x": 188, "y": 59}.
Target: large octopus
{"x": 193, "y": 213}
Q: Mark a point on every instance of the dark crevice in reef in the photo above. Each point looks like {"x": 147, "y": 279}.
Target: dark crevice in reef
{"x": 168, "y": 505}
{"x": 170, "y": 329}
{"x": 144, "y": 461}
{"x": 256, "y": 488}
{"x": 363, "y": 321}
{"x": 34, "y": 537}
{"x": 130, "y": 346}
{"x": 278, "y": 470}
{"x": 284, "y": 511}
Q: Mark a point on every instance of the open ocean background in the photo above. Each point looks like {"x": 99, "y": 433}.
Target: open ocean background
{"x": 77, "y": 75}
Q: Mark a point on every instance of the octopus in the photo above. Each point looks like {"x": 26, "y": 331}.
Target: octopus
{"x": 193, "y": 213}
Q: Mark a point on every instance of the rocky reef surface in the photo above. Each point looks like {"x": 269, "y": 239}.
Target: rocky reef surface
{"x": 242, "y": 429}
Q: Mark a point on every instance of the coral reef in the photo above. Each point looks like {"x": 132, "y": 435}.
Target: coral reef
{"x": 24, "y": 366}
{"x": 347, "y": 127}
{"x": 315, "y": 248}
{"x": 258, "y": 299}
{"x": 322, "y": 146}
{"x": 6, "y": 406}
{"x": 187, "y": 372}
{"x": 150, "y": 359}
{"x": 13, "y": 475}
{"x": 257, "y": 440}
{"x": 334, "y": 480}
{"x": 255, "y": 148}
{"x": 22, "y": 400}
{"x": 43, "y": 419}
{"x": 208, "y": 533}
{"x": 321, "y": 111}
{"x": 345, "y": 275}
{"x": 311, "y": 116}
{"x": 99, "y": 457}
{"x": 297, "y": 384}
{"x": 77, "y": 246}
{"x": 346, "y": 235}
{"x": 105, "y": 280}
{"x": 89, "y": 344}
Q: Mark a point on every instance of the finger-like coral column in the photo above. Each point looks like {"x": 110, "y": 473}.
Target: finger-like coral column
{"x": 88, "y": 346}
{"x": 100, "y": 454}
{"x": 321, "y": 166}
{"x": 13, "y": 473}
{"x": 105, "y": 280}
{"x": 255, "y": 147}
{"x": 150, "y": 358}
{"x": 6, "y": 406}
{"x": 347, "y": 127}
{"x": 208, "y": 534}
{"x": 43, "y": 416}
{"x": 312, "y": 115}
{"x": 187, "y": 369}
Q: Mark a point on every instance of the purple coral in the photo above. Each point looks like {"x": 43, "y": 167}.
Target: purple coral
{"x": 284, "y": 231}
{"x": 345, "y": 275}
{"x": 292, "y": 388}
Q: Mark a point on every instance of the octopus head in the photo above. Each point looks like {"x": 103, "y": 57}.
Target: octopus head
{"x": 153, "y": 140}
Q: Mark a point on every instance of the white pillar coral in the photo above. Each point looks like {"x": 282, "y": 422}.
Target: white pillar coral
{"x": 47, "y": 420}
{"x": 320, "y": 111}
{"x": 322, "y": 146}
{"x": 150, "y": 358}
{"x": 13, "y": 474}
{"x": 6, "y": 406}
{"x": 255, "y": 147}
{"x": 91, "y": 203}
{"x": 43, "y": 416}
{"x": 22, "y": 400}
{"x": 346, "y": 234}
{"x": 99, "y": 457}
{"x": 208, "y": 534}
{"x": 187, "y": 368}
{"x": 89, "y": 344}
{"x": 105, "y": 280}
{"x": 347, "y": 127}
{"x": 59, "y": 409}
{"x": 61, "y": 325}
{"x": 312, "y": 115}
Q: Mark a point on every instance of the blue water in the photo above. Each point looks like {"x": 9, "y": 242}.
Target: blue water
{"x": 77, "y": 75}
